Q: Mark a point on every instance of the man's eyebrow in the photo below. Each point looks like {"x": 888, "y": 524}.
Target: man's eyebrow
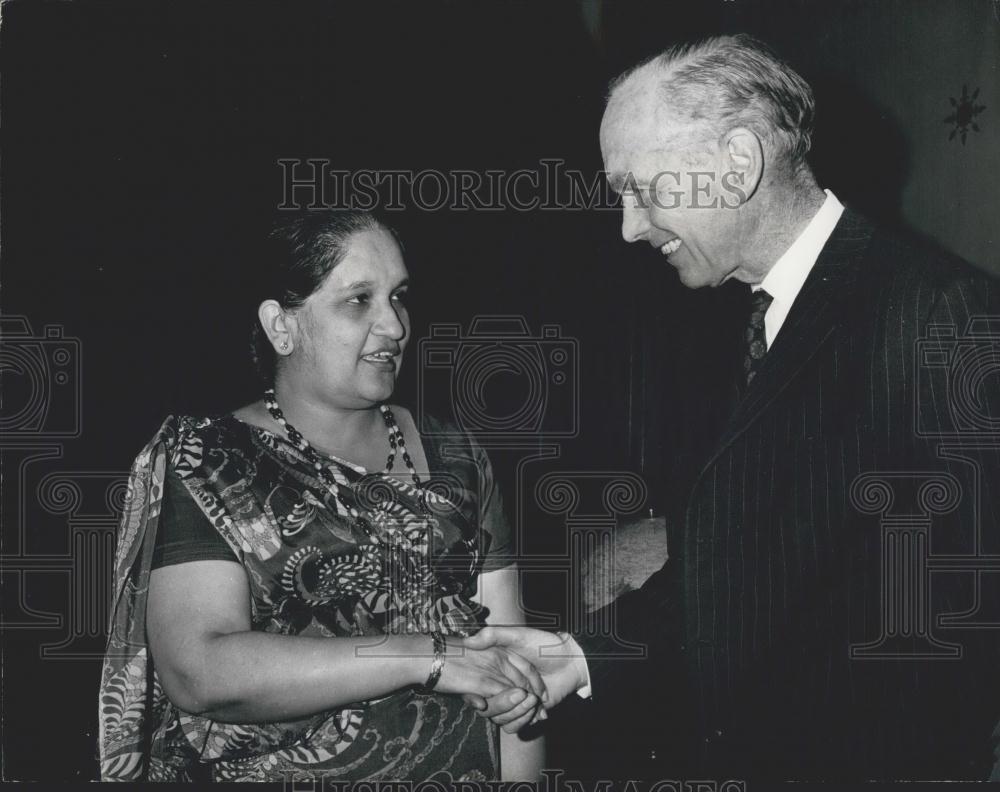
{"x": 625, "y": 181}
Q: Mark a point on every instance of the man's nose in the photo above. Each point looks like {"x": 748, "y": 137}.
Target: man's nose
{"x": 635, "y": 223}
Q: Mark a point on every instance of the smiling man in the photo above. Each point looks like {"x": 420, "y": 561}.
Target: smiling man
{"x": 721, "y": 190}
{"x": 787, "y": 636}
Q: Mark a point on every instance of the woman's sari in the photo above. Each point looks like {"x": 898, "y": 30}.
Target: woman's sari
{"x": 312, "y": 571}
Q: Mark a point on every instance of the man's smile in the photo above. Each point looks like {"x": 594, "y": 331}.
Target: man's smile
{"x": 671, "y": 247}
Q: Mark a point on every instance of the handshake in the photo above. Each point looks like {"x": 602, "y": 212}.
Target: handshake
{"x": 512, "y": 675}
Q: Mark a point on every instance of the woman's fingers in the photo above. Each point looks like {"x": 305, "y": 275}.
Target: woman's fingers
{"x": 507, "y": 669}
{"x": 476, "y": 702}
{"x": 518, "y": 723}
{"x": 513, "y": 709}
{"x": 516, "y": 726}
{"x": 530, "y": 673}
{"x": 474, "y": 678}
{"x": 540, "y": 715}
{"x": 524, "y": 705}
{"x": 482, "y": 675}
{"x": 503, "y": 702}
{"x": 491, "y": 686}
{"x": 481, "y": 640}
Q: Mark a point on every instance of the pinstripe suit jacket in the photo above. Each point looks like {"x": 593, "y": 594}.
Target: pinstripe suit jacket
{"x": 776, "y": 573}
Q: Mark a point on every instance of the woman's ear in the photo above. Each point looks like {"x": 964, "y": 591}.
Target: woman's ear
{"x": 278, "y": 326}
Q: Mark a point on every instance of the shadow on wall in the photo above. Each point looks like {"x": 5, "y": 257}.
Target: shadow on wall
{"x": 859, "y": 151}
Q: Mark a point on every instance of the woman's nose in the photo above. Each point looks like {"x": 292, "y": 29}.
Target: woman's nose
{"x": 390, "y": 323}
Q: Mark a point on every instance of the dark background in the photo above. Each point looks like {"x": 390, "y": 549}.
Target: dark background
{"x": 139, "y": 160}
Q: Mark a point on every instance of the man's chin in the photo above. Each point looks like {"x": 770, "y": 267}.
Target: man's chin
{"x": 693, "y": 279}
{"x": 696, "y": 275}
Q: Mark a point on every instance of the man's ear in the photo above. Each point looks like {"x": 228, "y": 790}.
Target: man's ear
{"x": 278, "y": 326}
{"x": 744, "y": 156}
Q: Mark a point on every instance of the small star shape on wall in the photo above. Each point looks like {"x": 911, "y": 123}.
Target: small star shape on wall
{"x": 964, "y": 113}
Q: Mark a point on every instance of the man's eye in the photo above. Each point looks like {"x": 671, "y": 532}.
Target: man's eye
{"x": 636, "y": 199}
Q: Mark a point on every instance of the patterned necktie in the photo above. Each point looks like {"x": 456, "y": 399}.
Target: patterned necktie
{"x": 756, "y": 341}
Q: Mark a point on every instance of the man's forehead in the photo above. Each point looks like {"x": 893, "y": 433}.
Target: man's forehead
{"x": 640, "y": 120}
{"x": 625, "y": 147}
{"x": 633, "y": 148}
{"x": 630, "y": 111}
{"x": 639, "y": 138}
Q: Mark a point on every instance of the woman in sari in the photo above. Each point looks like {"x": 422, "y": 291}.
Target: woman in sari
{"x": 285, "y": 588}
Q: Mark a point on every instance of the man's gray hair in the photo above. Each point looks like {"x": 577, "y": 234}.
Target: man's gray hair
{"x": 728, "y": 81}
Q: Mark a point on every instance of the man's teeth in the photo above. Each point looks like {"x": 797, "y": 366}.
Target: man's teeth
{"x": 380, "y": 356}
{"x": 671, "y": 246}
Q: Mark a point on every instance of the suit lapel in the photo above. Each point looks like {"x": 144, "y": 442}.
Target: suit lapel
{"x": 815, "y": 315}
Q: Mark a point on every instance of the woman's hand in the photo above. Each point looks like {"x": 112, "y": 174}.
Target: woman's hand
{"x": 563, "y": 667}
{"x": 489, "y": 671}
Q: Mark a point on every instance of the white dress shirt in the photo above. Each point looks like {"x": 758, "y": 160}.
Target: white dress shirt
{"x": 784, "y": 282}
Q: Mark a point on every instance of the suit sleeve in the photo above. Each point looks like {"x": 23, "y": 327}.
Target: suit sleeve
{"x": 649, "y": 617}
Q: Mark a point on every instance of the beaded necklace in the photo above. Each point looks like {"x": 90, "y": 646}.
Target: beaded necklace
{"x": 396, "y": 443}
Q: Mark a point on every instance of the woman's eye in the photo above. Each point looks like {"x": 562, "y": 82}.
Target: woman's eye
{"x": 358, "y": 299}
{"x": 401, "y": 296}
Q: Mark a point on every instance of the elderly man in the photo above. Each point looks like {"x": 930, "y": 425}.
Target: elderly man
{"x": 793, "y": 634}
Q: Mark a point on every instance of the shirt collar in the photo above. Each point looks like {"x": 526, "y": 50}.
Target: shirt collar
{"x": 785, "y": 278}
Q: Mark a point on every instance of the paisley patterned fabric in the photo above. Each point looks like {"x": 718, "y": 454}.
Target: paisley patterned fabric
{"x": 311, "y": 572}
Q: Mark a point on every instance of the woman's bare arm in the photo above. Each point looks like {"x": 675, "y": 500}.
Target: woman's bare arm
{"x": 211, "y": 663}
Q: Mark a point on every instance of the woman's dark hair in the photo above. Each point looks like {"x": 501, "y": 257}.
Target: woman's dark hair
{"x": 301, "y": 250}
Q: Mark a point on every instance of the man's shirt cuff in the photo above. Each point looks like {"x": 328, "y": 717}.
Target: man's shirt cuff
{"x": 585, "y": 691}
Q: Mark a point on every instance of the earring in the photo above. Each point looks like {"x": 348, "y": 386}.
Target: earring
{"x": 284, "y": 346}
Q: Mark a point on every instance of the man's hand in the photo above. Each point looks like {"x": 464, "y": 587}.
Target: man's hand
{"x": 556, "y": 656}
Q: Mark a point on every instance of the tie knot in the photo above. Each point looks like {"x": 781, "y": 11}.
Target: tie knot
{"x": 760, "y": 300}
{"x": 756, "y": 337}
